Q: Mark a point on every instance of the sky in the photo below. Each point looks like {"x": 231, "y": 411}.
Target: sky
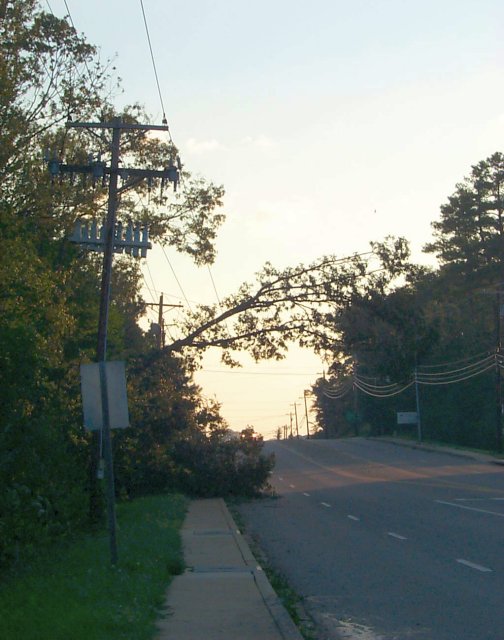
{"x": 330, "y": 124}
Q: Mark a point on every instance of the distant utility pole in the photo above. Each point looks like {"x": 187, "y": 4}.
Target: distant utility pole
{"x": 417, "y": 401}
{"x": 305, "y": 394}
{"x": 297, "y": 423}
{"x": 160, "y": 335}
{"x": 500, "y": 333}
{"x": 110, "y": 239}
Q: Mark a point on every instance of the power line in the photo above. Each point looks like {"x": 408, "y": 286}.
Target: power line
{"x": 73, "y": 25}
{"x": 155, "y": 69}
{"x": 254, "y": 373}
{"x": 388, "y": 395}
{"x": 488, "y": 352}
{"x": 214, "y": 287}
{"x": 150, "y": 275}
{"x": 148, "y": 288}
{"x": 454, "y": 372}
{"x": 177, "y": 280}
{"x": 460, "y": 379}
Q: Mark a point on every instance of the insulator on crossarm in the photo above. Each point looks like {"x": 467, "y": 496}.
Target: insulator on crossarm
{"x": 77, "y": 232}
{"x": 136, "y": 240}
{"x": 54, "y": 167}
{"x": 145, "y": 242}
{"x": 129, "y": 233}
{"x": 128, "y": 240}
{"x": 94, "y": 232}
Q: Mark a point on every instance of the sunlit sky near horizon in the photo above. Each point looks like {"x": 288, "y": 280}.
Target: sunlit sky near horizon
{"x": 330, "y": 124}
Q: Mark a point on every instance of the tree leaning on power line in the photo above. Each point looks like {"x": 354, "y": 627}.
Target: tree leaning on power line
{"x": 302, "y": 305}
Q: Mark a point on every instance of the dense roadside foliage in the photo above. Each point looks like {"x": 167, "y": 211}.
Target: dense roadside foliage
{"x": 442, "y": 323}
{"x": 49, "y": 294}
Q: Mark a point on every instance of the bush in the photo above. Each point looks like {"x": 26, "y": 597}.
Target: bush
{"x": 209, "y": 467}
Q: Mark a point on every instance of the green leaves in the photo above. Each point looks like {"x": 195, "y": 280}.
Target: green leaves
{"x": 470, "y": 232}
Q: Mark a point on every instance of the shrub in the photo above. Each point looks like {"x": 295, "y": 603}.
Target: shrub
{"x": 209, "y": 467}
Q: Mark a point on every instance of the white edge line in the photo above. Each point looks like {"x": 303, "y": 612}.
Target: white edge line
{"x": 396, "y": 535}
{"x": 473, "y": 565}
{"x": 462, "y": 506}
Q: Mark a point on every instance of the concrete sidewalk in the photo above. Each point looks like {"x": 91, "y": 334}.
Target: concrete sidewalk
{"x": 223, "y": 594}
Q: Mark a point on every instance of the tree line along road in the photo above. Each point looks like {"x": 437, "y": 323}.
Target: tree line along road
{"x": 386, "y": 542}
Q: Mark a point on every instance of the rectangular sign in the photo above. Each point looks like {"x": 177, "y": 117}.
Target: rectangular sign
{"x": 407, "y": 417}
{"x": 116, "y": 393}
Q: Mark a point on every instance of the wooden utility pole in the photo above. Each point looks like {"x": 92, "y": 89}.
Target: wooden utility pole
{"x": 297, "y": 424}
{"x": 498, "y": 372}
{"x": 305, "y": 393}
{"x": 101, "y": 351}
{"x": 130, "y": 178}
{"x": 160, "y": 338}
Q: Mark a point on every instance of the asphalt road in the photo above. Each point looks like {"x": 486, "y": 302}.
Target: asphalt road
{"x": 386, "y": 542}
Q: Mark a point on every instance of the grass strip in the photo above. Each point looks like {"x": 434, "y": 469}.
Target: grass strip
{"x": 72, "y": 591}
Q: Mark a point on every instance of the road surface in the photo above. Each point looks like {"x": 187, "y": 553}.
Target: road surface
{"x": 385, "y": 542}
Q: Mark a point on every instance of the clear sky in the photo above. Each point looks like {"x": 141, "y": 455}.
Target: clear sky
{"x": 330, "y": 124}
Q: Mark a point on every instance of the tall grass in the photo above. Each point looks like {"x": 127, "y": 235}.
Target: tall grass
{"x": 71, "y": 592}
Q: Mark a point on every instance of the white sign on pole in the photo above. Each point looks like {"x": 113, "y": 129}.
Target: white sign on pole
{"x": 116, "y": 392}
{"x": 407, "y": 417}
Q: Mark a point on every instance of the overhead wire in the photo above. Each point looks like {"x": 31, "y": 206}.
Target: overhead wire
{"x": 176, "y": 278}
{"x": 387, "y": 395}
{"x": 459, "y": 379}
{"x": 150, "y": 276}
{"x": 385, "y": 387}
{"x": 389, "y": 390}
{"x": 154, "y": 66}
{"x": 253, "y": 373}
{"x": 455, "y": 362}
{"x": 455, "y": 372}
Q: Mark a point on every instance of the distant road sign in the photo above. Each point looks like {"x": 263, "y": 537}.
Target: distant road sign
{"x": 407, "y": 417}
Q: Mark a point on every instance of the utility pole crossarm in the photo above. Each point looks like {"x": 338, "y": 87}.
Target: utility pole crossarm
{"x": 118, "y": 124}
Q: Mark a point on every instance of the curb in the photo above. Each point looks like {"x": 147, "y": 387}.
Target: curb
{"x": 282, "y": 619}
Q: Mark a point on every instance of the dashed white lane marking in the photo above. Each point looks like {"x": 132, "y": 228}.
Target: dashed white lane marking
{"x": 306, "y": 494}
{"x": 292, "y": 486}
{"x": 396, "y": 535}
{"x": 280, "y": 478}
{"x": 462, "y": 506}
{"x": 473, "y": 565}
{"x": 326, "y": 504}
{"x": 354, "y": 518}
